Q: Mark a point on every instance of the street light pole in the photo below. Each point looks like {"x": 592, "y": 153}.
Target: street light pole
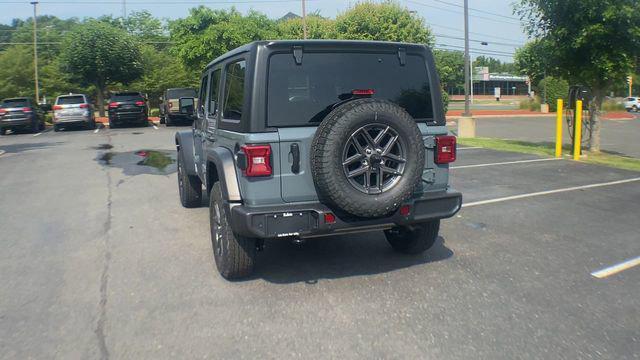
{"x": 35, "y": 49}
{"x": 467, "y": 61}
{"x": 304, "y": 20}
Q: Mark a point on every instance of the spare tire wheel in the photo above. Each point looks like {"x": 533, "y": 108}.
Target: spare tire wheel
{"x": 367, "y": 157}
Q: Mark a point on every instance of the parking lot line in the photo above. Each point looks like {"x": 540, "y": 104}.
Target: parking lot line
{"x": 96, "y": 130}
{"x": 38, "y": 134}
{"x": 614, "y": 269}
{"x": 549, "y": 192}
{"x": 470, "y": 148}
{"x": 155, "y": 127}
{"x": 503, "y": 163}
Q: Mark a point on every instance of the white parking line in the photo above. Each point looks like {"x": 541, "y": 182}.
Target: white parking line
{"x": 549, "y": 192}
{"x": 96, "y": 130}
{"x": 504, "y": 163}
{"x": 38, "y": 134}
{"x": 155, "y": 127}
{"x": 2, "y": 152}
{"x": 612, "y": 270}
{"x": 470, "y": 148}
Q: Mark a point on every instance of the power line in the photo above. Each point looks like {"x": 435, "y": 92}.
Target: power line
{"x": 478, "y": 10}
{"x": 472, "y": 33}
{"x": 478, "y": 41}
{"x": 476, "y": 50}
{"x": 457, "y": 12}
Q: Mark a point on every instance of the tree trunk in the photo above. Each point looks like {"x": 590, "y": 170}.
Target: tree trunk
{"x": 100, "y": 96}
{"x": 594, "y": 121}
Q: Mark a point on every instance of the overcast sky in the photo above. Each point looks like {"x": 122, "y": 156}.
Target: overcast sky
{"x": 491, "y": 21}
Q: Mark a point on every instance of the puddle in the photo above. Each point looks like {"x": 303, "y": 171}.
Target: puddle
{"x": 477, "y": 226}
{"x": 154, "y": 162}
{"x": 136, "y": 133}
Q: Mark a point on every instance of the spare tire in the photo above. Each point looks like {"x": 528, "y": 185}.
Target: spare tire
{"x": 367, "y": 157}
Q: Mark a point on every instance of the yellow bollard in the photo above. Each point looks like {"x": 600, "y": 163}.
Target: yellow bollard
{"x": 559, "y": 129}
{"x": 577, "y": 137}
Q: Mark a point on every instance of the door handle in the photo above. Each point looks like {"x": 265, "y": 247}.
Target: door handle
{"x": 295, "y": 154}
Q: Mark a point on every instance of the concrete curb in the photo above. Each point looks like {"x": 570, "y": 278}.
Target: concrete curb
{"x": 2, "y": 152}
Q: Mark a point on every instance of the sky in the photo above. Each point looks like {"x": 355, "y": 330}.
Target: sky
{"x": 490, "y": 21}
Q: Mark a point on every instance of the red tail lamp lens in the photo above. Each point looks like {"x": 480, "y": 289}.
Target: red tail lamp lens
{"x": 84, "y": 106}
{"x": 329, "y": 218}
{"x": 139, "y": 103}
{"x": 258, "y": 160}
{"x": 363, "y": 92}
{"x": 405, "y": 210}
{"x": 27, "y": 110}
{"x": 445, "y": 149}
{"x": 113, "y": 105}
{"x": 57, "y": 107}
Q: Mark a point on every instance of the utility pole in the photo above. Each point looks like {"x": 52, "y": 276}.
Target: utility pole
{"x": 304, "y": 20}
{"x": 35, "y": 49}
{"x": 467, "y": 61}
{"x": 124, "y": 9}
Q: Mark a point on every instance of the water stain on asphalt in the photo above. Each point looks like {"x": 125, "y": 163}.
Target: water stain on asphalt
{"x": 477, "y": 226}
{"x": 153, "y": 162}
{"x": 103, "y": 147}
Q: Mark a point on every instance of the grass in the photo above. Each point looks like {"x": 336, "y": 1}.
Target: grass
{"x": 548, "y": 149}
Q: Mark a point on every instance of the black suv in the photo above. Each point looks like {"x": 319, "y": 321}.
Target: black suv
{"x": 20, "y": 114}
{"x": 128, "y": 108}
{"x": 301, "y": 139}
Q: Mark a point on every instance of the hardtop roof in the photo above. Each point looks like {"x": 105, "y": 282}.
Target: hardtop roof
{"x": 316, "y": 45}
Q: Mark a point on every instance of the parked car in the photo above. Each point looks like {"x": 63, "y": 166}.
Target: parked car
{"x": 128, "y": 108}
{"x": 632, "y": 104}
{"x": 73, "y": 109}
{"x": 20, "y": 114}
{"x": 170, "y": 109}
{"x": 302, "y": 139}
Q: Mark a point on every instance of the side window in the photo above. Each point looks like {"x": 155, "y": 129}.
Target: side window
{"x": 203, "y": 95}
{"x": 214, "y": 91}
{"x": 234, "y": 90}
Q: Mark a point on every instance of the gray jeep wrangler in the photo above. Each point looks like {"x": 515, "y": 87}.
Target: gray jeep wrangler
{"x": 301, "y": 139}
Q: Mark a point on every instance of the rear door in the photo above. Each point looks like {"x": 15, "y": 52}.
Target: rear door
{"x": 301, "y": 95}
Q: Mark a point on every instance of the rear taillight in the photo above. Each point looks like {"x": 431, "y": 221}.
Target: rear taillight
{"x": 3, "y": 111}
{"x": 84, "y": 106}
{"x": 363, "y": 92}
{"x": 57, "y": 107}
{"x": 113, "y": 105}
{"x": 258, "y": 160}
{"x": 445, "y": 149}
{"x": 139, "y": 103}
{"x": 27, "y": 109}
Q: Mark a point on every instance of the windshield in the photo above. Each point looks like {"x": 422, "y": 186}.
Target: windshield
{"x": 70, "y": 100}
{"x": 127, "y": 97}
{"x": 179, "y": 93}
{"x": 303, "y": 94}
{"x": 14, "y": 103}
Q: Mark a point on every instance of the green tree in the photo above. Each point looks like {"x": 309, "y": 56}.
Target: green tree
{"x": 16, "y": 72}
{"x": 99, "y": 54}
{"x": 555, "y": 88}
{"x": 450, "y": 66}
{"x": 206, "y": 34}
{"x": 495, "y": 65}
{"x": 318, "y": 27}
{"x": 593, "y": 42}
{"x": 531, "y": 60}
{"x": 386, "y": 21}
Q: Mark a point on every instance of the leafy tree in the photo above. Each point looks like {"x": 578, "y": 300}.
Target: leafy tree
{"x": 162, "y": 71}
{"x": 386, "y": 21}
{"x": 495, "y": 65}
{"x": 450, "y": 66}
{"x": 16, "y": 72}
{"x": 318, "y": 27}
{"x": 592, "y": 42}
{"x": 531, "y": 60}
{"x": 99, "y": 54}
{"x": 206, "y": 34}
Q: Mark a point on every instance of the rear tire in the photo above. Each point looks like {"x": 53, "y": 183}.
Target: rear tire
{"x": 234, "y": 255}
{"x": 167, "y": 120}
{"x": 56, "y": 128}
{"x": 414, "y": 239}
{"x": 635, "y": 108}
{"x": 190, "y": 187}
{"x": 3, "y": 131}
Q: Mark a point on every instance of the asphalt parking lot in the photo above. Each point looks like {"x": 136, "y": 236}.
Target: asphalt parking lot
{"x": 100, "y": 260}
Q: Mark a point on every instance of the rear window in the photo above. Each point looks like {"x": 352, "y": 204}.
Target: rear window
{"x": 14, "y": 103}
{"x": 180, "y": 93}
{"x": 70, "y": 100}
{"x": 631, "y": 99}
{"x": 300, "y": 95}
{"x": 127, "y": 97}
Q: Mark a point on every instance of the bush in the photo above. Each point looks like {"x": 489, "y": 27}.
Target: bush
{"x": 556, "y": 88}
{"x": 530, "y": 104}
{"x": 612, "y": 105}
{"x": 445, "y": 101}
{"x": 154, "y": 112}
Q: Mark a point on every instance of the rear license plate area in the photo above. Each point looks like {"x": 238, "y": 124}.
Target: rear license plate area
{"x": 288, "y": 224}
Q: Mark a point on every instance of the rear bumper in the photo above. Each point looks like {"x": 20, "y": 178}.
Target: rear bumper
{"x": 72, "y": 119}
{"x": 16, "y": 122}
{"x": 307, "y": 220}
{"x": 127, "y": 117}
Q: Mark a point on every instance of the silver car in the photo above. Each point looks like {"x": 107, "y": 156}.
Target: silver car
{"x": 73, "y": 109}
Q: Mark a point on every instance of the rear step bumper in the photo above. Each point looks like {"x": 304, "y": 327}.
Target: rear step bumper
{"x": 307, "y": 220}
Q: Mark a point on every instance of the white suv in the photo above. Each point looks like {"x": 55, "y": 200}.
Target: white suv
{"x": 632, "y": 103}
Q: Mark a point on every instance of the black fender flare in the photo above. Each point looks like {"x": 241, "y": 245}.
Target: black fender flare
{"x": 225, "y": 173}
{"x": 184, "y": 144}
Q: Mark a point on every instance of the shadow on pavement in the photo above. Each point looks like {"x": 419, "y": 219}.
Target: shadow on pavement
{"x": 284, "y": 262}
{"x": 18, "y": 148}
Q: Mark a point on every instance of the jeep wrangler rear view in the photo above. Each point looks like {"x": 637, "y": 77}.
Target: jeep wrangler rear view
{"x": 302, "y": 139}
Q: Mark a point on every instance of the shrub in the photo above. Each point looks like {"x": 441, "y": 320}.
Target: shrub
{"x": 445, "y": 101}
{"x": 154, "y": 112}
{"x": 530, "y": 104}
{"x": 612, "y": 105}
{"x": 556, "y": 88}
